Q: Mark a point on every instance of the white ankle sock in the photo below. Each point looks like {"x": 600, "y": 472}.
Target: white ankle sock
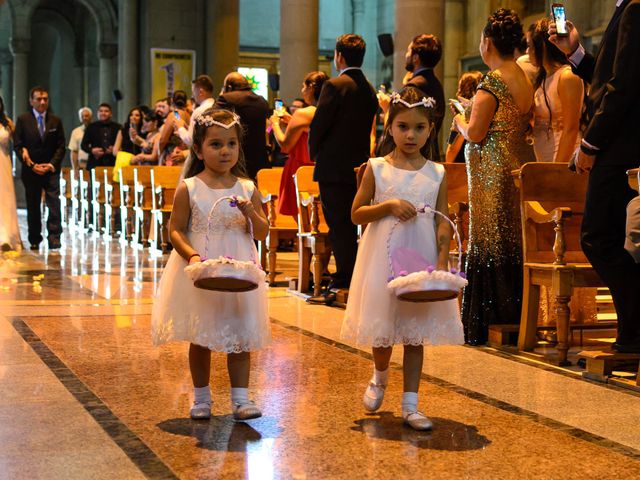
{"x": 202, "y": 394}
{"x": 380, "y": 377}
{"x": 409, "y": 402}
{"x": 239, "y": 395}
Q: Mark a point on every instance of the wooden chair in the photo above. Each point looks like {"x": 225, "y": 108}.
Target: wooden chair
{"x": 65, "y": 195}
{"x": 551, "y": 204}
{"x": 110, "y": 194}
{"x": 634, "y": 178}
{"x": 458, "y": 196}
{"x": 313, "y": 241}
{"x": 127, "y": 195}
{"x": 165, "y": 182}
{"x": 142, "y": 204}
{"x": 83, "y": 185}
{"x": 280, "y": 226}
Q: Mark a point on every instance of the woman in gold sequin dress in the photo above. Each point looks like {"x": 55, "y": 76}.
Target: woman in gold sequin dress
{"x": 496, "y": 135}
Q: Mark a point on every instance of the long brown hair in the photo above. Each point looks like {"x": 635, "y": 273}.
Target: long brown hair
{"x": 409, "y": 94}
{"x": 200, "y": 132}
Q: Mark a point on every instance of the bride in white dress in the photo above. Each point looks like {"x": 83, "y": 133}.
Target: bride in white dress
{"x": 9, "y": 231}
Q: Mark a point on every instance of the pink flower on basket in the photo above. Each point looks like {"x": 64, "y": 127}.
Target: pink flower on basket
{"x": 233, "y": 202}
{"x": 430, "y": 269}
{"x": 228, "y": 257}
{"x": 454, "y": 270}
{"x": 407, "y": 260}
{"x": 203, "y": 258}
{"x": 462, "y": 274}
{"x": 403, "y": 273}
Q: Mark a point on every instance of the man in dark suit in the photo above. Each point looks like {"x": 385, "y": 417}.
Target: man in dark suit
{"x": 39, "y": 142}
{"x": 611, "y": 146}
{"x": 253, "y": 111}
{"x": 339, "y": 141}
{"x": 99, "y": 138}
{"x": 423, "y": 54}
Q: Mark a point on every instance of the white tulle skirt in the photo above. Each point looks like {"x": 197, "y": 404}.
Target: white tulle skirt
{"x": 220, "y": 321}
{"x": 374, "y": 316}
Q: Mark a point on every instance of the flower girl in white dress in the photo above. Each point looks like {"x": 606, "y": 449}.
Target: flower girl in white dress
{"x": 396, "y": 187}
{"x": 233, "y": 323}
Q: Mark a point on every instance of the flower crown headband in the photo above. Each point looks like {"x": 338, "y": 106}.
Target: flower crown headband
{"x": 427, "y": 102}
{"x": 207, "y": 120}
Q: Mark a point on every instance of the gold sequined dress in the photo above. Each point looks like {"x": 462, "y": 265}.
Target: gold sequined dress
{"x": 494, "y": 256}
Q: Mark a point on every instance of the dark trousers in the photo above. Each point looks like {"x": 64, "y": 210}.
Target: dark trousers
{"x": 337, "y": 199}
{"x": 603, "y": 235}
{"x": 34, "y": 185}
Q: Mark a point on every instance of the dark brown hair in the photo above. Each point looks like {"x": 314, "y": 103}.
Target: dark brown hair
{"x": 505, "y": 30}
{"x": 200, "y": 132}
{"x": 352, "y": 47}
{"x": 409, "y": 94}
{"x": 204, "y": 82}
{"x": 315, "y": 80}
{"x": 468, "y": 84}
{"x": 428, "y": 48}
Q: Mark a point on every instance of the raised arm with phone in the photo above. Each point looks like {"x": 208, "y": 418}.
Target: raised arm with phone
{"x": 610, "y": 146}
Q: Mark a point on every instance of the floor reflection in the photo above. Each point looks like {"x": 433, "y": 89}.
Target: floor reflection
{"x": 447, "y": 434}
{"x": 221, "y": 433}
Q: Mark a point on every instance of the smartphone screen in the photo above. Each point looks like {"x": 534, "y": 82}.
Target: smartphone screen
{"x": 176, "y": 114}
{"x": 560, "y": 18}
{"x": 278, "y": 105}
{"x": 457, "y": 105}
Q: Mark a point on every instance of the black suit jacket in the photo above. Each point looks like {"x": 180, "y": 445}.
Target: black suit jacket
{"x": 50, "y": 149}
{"x": 614, "y": 96}
{"x": 339, "y": 136}
{"x": 253, "y": 111}
{"x": 100, "y": 134}
{"x": 427, "y": 81}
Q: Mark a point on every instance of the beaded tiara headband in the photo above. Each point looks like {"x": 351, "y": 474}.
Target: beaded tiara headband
{"x": 427, "y": 102}
{"x": 207, "y": 120}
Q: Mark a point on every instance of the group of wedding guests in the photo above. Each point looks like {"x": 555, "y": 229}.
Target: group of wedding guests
{"x": 526, "y": 108}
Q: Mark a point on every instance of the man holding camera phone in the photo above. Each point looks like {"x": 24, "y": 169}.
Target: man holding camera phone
{"x": 611, "y": 146}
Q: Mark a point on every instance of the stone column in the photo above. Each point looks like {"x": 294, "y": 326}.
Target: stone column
{"x": 20, "y": 49}
{"x": 222, "y": 39}
{"x": 108, "y": 68}
{"x": 6, "y": 80}
{"x": 128, "y": 57}
{"x": 298, "y": 44}
{"x": 453, "y": 44}
{"x": 414, "y": 17}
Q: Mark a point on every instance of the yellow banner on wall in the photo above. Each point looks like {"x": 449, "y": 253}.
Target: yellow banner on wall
{"x": 171, "y": 70}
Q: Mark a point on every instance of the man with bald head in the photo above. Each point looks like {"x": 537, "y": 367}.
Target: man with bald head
{"x": 253, "y": 110}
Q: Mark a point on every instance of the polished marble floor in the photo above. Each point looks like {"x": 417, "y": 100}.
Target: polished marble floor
{"x": 84, "y": 394}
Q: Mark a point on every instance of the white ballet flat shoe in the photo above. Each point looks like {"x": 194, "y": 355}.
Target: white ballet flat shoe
{"x": 200, "y": 411}
{"x": 373, "y": 396}
{"x": 246, "y": 411}
{"x": 417, "y": 420}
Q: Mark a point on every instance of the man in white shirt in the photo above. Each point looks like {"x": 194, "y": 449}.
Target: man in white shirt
{"x": 202, "y": 89}
{"x": 78, "y": 156}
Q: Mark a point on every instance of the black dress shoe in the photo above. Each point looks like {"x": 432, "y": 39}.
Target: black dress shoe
{"x": 54, "y": 245}
{"x": 34, "y": 246}
{"x": 324, "y": 299}
{"x": 626, "y": 347}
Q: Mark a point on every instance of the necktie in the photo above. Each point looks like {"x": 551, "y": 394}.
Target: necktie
{"x": 41, "y": 126}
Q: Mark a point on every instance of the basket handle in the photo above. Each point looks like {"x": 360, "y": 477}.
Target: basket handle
{"x": 426, "y": 209}
{"x": 233, "y": 201}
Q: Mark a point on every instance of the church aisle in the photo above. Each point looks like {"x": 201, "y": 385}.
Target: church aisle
{"x": 81, "y": 380}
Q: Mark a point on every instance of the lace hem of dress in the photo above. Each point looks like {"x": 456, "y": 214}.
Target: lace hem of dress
{"x": 221, "y": 341}
{"x": 447, "y": 332}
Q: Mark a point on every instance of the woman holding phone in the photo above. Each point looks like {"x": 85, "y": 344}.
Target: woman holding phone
{"x": 467, "y": 86}
{"x": 294, "y": 140}
{"x": 496, "y": 135}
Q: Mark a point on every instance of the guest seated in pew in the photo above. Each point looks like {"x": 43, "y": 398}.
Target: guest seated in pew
{"x": 295, "y": 140}
{"x": 149, "y": 144}
{"x": 131, "y": 128}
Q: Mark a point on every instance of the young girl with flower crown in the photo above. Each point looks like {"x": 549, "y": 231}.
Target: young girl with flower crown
{"x": 395, "y": 200}
{"x": 233, "y": 323}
